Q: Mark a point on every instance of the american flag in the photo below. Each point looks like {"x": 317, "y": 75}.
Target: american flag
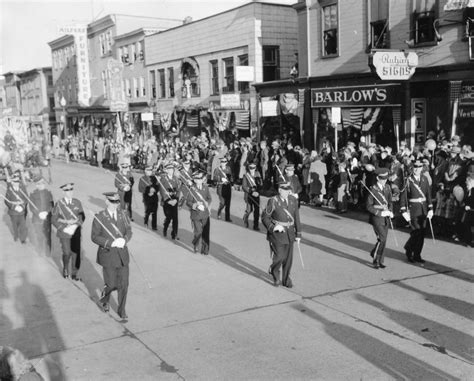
{"x": 192, "y": 120}
{"x": 352, "y": 117}
{"x": 372, "y": 115}
{"x": 242, "y": 120}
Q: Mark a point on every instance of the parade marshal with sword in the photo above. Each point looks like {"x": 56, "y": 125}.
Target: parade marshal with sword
{"x": 282, "y": 219}
{"x": 111, "y": 230}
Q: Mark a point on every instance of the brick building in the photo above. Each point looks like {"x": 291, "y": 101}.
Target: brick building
{"x": 337, "y": 42}
{"x": 194, "y": 69}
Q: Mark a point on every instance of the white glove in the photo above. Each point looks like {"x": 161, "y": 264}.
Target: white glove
{"x": 118, "y": 242}
{"x": 430, "y": 214}
{"x": 385, "y": 213}
{"x": 391, "y": 215}
{"x": 19, "y": 208}
{"x": 278, "y": 229}
{"x": 70, "y": 229}
{"x": 224, "y": 180}
{"x": 298, "y": 239}
{"x": 295, "y": 195}
{"x": 406, "y": 216}
{"x": 195, "y": 205}
{"x": 172, "y": 202}
{"x": 255, "y": 194}
{"x": 200, "y": 207}
{"x": 126, "y": 188}
{"x": 43, "y": 215}
{"x": 467, "y": 207}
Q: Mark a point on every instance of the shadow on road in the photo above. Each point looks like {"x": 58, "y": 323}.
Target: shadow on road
{"x": 393, "y": 362}
{"x": 440, "y": 336}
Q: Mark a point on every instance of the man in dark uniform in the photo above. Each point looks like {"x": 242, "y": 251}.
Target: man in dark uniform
{"x": 380, "y": 207}
{"x": 150, "y": 198}
{"x": 282, "y": 219}
{"x": 199, "y": 200}
{"x": 223, "y": 176}
{"x": 124, "y": 182}
{"x": 111, "y": 230}
{"x": 68, "y": 217}
{"x": 292, "y": 178}
{"x": 16, "y": 202}
{"x": 251, "y": 185}
{"x": 416, "y": 207}
{"x": 143, "y": 183}
{"x": 43, "y": 204}
{"x": 169, "y": 189}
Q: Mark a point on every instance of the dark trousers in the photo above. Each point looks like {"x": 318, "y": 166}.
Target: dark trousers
{"x": 126, "y": 202}
{"x": 42, "y": 234}
{"x": 71, "y": 248}
{"x": 381, "y": 231}
{"x": 201, "y": 229}
{"x": 224, "y": 191}
{"x": 171, "y": 215}
{"x": 414, "y": 245}
{"x": 253, "y": 206}
{"x": 151, "y": 210}
{"x": 116, "y": 278}
{"x": 282, "y": 256}
{"x": 19, "y": 227}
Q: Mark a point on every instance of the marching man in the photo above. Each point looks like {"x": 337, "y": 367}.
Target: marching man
{"x": 124, "y": 182}
{"x": 111, "y": 231}
{"x": 42, "y": 202}
{"x": 68, "y": 217}
{"x": 223, "y": 176}
{"x": 16, "y": 202}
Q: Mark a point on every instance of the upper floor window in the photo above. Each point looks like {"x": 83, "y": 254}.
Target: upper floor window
{"x": 171, "y": 82}
{"x": 141, "y": 51}
{"x": 330, "y": 30}
{"x": 105, "y": 42}
{"x": 161, "y": 75}
{"x": 228, "y": 75}
{"x": 424, "y": 15}
{"x": 379, "y": 31}
{"x": 125, "y": 57}
{"x": 133, "y": 53}
{"x": 136, "y": 88}
{"x": 271, "y": 63}
{"x": 142, "y": 87}
{"x": 214, "y": 77}
{"x": 153, "y": 83}
{"x": 50, "y": 80}
{"x": 243, "y": 61}
{"x": 128, "y": 90}
{"x": 190, "y": 75}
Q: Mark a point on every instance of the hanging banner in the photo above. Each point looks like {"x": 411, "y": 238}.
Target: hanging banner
{"x": 270, "y": 108}
{"x": 118, "y": 101}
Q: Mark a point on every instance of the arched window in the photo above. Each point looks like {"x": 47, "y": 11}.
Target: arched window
{"x": 190, "y": 78}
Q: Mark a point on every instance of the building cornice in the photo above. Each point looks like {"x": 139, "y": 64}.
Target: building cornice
{"x": 61, "y": 42}
{"x": 137, "y": 32}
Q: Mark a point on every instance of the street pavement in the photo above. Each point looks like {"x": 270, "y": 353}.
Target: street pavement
{"x": 219, "y": 317}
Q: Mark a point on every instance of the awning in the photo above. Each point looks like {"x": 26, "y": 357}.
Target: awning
{"x": 456, "y": 5}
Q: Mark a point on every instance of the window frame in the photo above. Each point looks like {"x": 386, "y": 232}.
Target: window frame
{"x": 273, "y": 63}
{"x": 214, "y": 67}
{"x": 153, "y": 90}
{"x": 161, "y": 83}
{"x": 430, "y": 17}
{"x": 325, "y": 5}
{"x": 385, "y": 31}
{"x": 243, "y": 87}
{"x": 170, "y": 80}
{"x": 228, "y": 80}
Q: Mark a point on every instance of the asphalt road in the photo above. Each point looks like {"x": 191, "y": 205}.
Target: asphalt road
{"x": 219, "y": 317}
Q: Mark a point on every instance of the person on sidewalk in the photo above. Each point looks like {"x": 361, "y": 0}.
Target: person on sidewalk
{"x": 282, "y": 220}
{"x": 169, "y": 190}
{"x": 380, "y": 207}
{"x": 111, "y": 231}
{"x": 416, "y": 207}
{"x": 68, "y": 217}
{"x": 143, "y": 183}
{"x": 17, "y": 202}
{"x": 292, "y": 178}
{"x": 199, "y": 200}
{"x": 223, "y": 178}
{"x": 43, "y": 202}
{"x": 252, "y": 185}
{"x": 124, "y": 182}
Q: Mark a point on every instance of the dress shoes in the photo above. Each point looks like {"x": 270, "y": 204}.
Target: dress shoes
{"x": 276, "y": 283}
{"x": 65, "y": 274}
{"x": 382, "y": 266}
{"x": 376, "y": 265}
{"x": 195, "y": 249}
{"x": 257, "y": 229}
{"x": 228, "y": 220}
{"x": 104, "y": 307}
{"x": 124, "y": 316}
{"x": 76, "y": 278}
{"x": 289, "y": 284}
{"x": 419, "y": 260}
{"x": 409, "y": 257}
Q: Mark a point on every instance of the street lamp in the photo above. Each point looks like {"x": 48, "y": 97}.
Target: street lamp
{"x": 63, "y": 104}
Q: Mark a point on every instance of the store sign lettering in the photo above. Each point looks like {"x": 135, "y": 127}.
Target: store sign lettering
{"x": 361, "y": 96}
{"x": 394, "y": 65}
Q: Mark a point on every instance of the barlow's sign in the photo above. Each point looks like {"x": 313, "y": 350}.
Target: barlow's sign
{"x": 394, "y": 65}
{"x": 360, "y": 96}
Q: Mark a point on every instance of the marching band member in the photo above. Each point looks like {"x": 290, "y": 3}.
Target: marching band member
{"x": 124, "y": 182}
{"x": 169, "y": 189}
{"x": 16, "y": 202}
{"x": 251, "y": 185}
{"x": 223, "y": 176}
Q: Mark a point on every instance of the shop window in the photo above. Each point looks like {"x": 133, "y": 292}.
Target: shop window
{"x": 330, "y": 30}
{"x": 153, "y": 83}
{"x": 228, "y": 64}
{"x": 161, "y": 75}
{"x": 243, "y": 61}
{"x": 171, "y": 82}
{"x": 271, "y": 63}
{"x": 214, "y": 77}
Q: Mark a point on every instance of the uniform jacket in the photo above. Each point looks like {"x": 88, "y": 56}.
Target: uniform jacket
{"x": 62, "y": 212}
{"x": 220, "y": 174}
{"x": 143, "y": 183}
{"x": 12, "y": 196}
{"x": 277, "y": 211}
{"x": 169, "y": 188}
{"x": 104, "y": 231}
{"x": 121, "y": 181}
{"x": 199, "y": 195}
{"x": 43, "y": 200}
{"x": 378, "y": 201}
{"x": 251, "y": 184}
{"x": 151, "y": 202}
{"x": 415, "y": 189}
{"x": 295, "y": 183}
